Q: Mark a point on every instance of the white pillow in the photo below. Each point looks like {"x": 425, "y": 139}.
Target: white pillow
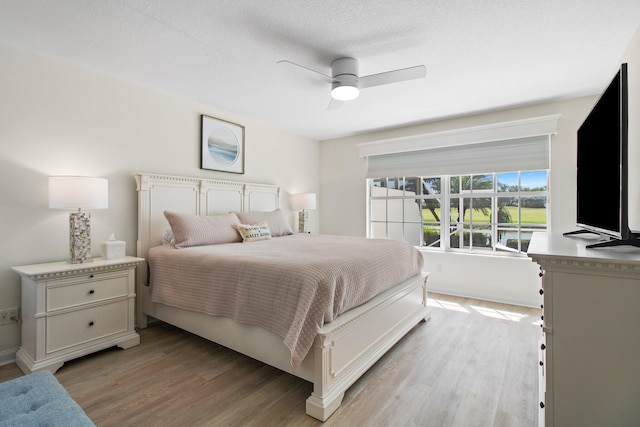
{"x": 278, "y": 224}
{"x": 254, "y": 232}
{"x": 196, "y": 230}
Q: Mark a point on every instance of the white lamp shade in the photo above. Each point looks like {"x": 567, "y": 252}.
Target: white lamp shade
{"x": 303, "y": 201}
{"x": 78, "y": 192}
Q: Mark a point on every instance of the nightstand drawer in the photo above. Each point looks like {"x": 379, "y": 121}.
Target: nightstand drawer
{"x": 93, "y": 288}
{"x": 77, "y": 327}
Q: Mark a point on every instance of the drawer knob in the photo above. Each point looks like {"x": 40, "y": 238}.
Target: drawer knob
{"x": 91, "y": 292}
{"x": 91, "y": 323}
{"x": 541, "y": 363}
{"x": 542, "y": 347}
{"x": 541, "y": 405}
{"x": 541, "y": 274}
{"x": 541, "y": 291}
{"x": 91, "y": 276}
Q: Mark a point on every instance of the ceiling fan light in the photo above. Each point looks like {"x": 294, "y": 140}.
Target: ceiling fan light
{"x": 344, "y": 92}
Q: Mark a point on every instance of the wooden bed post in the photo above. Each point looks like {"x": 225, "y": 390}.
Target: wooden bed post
{"x": 142, "y": 188}
{"x": 323, "y": 401}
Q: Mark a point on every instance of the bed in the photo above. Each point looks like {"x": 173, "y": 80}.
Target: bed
{"x": 341, "y": 350}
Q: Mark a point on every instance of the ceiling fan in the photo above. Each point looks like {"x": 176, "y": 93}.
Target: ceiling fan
{"x": 346, "y": 83}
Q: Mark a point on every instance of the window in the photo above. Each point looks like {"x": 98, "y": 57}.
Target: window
{"x": 429, "y": 190}
{"x": 490, "y": 212}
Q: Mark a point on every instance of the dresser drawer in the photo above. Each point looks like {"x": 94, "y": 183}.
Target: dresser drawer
{"x": 87, "y": 289}
{"x": 78, "y": 327}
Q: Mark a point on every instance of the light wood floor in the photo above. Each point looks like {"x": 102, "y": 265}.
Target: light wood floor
{"x": 473, "y": 364}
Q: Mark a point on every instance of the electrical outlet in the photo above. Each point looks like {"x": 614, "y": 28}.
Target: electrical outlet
{"x": 9, "y": 315}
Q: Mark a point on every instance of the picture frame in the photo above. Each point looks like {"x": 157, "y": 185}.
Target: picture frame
{"x": 221, "y": 145}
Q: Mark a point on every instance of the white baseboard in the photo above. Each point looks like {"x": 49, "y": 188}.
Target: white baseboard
{"x": 8, "y": 356}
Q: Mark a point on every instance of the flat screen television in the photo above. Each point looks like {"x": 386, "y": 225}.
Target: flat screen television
{"x": 602, "y": 168}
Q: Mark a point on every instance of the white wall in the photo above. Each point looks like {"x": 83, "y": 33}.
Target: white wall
{"x": 60, "y": 119}
{"x": 511, "y": 280}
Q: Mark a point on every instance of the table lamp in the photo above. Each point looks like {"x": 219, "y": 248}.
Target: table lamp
{"x": 303, "y": 202}
{"x": 79, "y": 192}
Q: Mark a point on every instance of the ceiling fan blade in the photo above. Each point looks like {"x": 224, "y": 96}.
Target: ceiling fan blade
{"x": 395, "y": 76}
{"x": 334, "y": 104}
{"x": 307, "y": 71}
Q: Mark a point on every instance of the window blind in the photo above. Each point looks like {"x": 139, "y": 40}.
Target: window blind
{"x": 521, "y": 154}
{"x": 496, "y": 147}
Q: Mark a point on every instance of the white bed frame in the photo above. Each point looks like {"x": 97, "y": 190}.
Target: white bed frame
{"x": 342, "y": 351}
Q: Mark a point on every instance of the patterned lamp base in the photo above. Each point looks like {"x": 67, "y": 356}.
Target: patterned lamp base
{"x": 79, "y": 237}
{"x": 303, "y": 220}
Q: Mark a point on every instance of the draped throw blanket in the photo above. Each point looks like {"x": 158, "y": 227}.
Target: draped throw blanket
{"x": 290, "y": 285}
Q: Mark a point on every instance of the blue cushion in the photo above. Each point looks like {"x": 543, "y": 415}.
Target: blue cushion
{"x": 38, "y": 399}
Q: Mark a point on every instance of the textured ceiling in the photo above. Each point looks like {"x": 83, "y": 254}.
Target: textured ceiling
{"x": 480, "y": 55}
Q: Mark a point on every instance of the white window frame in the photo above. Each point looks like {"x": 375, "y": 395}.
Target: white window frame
{"x": 445, "y": 198}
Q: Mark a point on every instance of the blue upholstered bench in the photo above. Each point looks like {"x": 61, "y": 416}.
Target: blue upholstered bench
{"x": 38, "y": 399}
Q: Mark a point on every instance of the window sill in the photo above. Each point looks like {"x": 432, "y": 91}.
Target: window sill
{"x": 469, "y": 252}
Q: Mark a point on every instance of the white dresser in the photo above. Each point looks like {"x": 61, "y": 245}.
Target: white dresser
{"x": 590, "y": 341}
{"x": 70, "y": 310}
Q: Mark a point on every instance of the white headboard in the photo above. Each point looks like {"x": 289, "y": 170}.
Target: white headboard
{"x": 200, "y": 196}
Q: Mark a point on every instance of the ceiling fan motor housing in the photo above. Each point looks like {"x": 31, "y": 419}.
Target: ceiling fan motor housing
{"x": 344, "y": 66}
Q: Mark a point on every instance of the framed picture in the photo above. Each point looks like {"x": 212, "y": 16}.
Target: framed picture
{"x": 222, "y": 145}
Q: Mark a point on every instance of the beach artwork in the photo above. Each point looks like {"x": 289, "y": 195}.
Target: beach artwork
{"x": 222, "y": 145}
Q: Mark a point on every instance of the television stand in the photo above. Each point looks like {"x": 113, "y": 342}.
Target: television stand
{"x": 572, "y": 233}
{"x": 633, "y": 240}
{"x": 615, "y": 242}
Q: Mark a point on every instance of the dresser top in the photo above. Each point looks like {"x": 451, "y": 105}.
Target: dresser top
{"x": 555, "y": 245}
{"x": 63, "y": 268}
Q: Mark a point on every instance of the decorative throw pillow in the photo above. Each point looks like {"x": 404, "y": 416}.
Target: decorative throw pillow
{"x": 196, "y": 230}
{"x": 167, "y": 237}
{"x": 278, "y": 224}
{"x": 254, "y": 232}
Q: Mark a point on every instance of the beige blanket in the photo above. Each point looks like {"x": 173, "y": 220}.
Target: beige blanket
{"x": 290, "y": 285}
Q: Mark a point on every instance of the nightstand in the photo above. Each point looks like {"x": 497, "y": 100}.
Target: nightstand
{"x": 70, "y": 310}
